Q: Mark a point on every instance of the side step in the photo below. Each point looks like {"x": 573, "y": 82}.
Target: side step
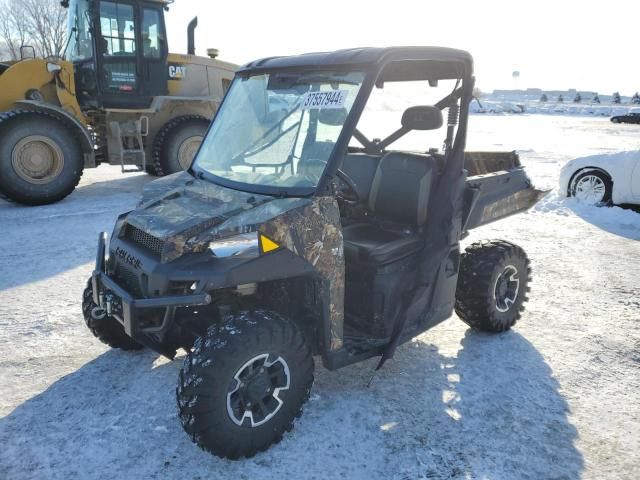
{"x": 129, "y": 144}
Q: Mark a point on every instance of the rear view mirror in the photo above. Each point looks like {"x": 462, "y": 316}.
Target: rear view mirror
{"x": 334, "y": 117}
{"x": 422, "y": 118}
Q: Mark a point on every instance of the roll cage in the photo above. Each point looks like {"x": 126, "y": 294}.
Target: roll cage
{"x": 381, "y": 65}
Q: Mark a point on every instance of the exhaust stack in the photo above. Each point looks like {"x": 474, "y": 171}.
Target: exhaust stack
{"x": 191, "y": 38}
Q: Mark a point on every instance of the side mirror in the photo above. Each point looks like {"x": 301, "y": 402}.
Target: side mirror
{"x": 422, "y": 118}
{"x": 334, "y": 117}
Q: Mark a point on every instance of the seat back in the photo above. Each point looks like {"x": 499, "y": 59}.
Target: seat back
{"x": 401, "y": 187}
{"x": 361, "y": 168}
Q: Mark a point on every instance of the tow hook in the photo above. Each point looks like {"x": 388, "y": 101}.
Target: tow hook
{"x": 106, "y": 306}
{"x": 109, "y": 302}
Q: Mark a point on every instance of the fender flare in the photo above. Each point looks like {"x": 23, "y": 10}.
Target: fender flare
{"x": 86, "y": 142}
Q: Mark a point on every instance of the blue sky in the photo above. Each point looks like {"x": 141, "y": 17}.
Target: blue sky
{"x": 553, "y": 44}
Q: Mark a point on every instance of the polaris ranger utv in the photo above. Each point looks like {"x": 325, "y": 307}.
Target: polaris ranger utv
{"x": 294, "y": 235}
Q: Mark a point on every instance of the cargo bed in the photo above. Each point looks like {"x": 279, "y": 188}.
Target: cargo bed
{"x": 497, "y": 186}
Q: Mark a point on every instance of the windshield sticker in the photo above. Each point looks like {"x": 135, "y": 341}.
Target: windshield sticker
{"x": 327, "y": 99}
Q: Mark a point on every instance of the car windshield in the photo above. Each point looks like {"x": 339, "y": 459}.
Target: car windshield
{"x": 277, "y": 130}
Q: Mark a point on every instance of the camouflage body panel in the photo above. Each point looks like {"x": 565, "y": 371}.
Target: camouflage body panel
{"x": 515, "y": 203}
{"x": 186, "y": 214}
{"x": 179, "y": 207}
{"x": 314, "y": 233}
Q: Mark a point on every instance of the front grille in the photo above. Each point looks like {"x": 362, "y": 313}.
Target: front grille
{"x": 143, "y": 239}
{"x": 128, "y": 279}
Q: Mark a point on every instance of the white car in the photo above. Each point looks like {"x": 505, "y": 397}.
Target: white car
{"x": 603, "y": 179}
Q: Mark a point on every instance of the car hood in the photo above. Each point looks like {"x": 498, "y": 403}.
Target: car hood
{"x": 185, "y": 213}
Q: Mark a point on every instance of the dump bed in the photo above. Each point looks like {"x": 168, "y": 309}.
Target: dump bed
{"x": 497, "y": 186}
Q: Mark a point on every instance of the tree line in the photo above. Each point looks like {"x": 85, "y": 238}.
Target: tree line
{"x": 41, "y": 24}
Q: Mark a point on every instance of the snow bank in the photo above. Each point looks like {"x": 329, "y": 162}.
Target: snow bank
{"x": 615, "y": 220}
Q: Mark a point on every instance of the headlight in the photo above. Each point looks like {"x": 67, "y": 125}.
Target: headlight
{"x": 239, "y": 245}
{"x": 53, "y": 67}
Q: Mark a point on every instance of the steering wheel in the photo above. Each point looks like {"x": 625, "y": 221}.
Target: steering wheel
{"x": 351, "y": 192}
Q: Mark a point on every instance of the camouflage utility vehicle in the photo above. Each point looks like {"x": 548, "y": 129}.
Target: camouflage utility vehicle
{"x": 294, "y": 235}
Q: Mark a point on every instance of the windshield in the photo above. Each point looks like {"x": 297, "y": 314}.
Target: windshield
{"x": 80, "y": 46}
{"x": 278, "y": 130}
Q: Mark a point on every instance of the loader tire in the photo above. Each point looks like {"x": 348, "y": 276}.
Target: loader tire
{"x": 244, "y": 384}
{"x": 41, "y": 160}
{"x": 177, "y": 143}
{"x": 105, "y": 328}
{"x": 492, "y": 285}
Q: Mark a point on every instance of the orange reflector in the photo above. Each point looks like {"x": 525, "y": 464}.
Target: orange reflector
{"x": 267, "y": 245}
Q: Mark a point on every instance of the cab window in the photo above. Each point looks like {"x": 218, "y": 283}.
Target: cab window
{"x": 118, "y": 29}
{"x": 151, "y": 33}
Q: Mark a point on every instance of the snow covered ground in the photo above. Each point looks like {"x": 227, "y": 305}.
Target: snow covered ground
{"x": 556, "y": 398}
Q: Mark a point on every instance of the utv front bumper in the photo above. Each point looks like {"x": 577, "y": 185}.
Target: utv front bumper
{"x": 126, "y": 309}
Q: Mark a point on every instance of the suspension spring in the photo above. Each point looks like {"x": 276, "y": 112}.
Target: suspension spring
{"x": 454, "y": 112}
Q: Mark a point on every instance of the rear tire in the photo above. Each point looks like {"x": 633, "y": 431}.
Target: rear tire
{"x": 106, "y": 329}
{"x": 244, "y": 384}
{"x": 492, "y": 285}
{"x": 177, "y": 143}
{"x": 41, "y": 161}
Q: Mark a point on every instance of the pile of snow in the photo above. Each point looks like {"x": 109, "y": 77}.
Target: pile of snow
{"x": 616, "y": 220}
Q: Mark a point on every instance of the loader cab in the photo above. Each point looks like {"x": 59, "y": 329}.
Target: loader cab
{"x": 119, "y": 50}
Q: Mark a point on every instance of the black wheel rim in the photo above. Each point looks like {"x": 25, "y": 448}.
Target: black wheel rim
{"x": 506, "y": 289}
{"x": 254, "y": 394}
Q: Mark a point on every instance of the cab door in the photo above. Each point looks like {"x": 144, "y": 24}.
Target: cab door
{"x": 132, "y": 53}
{"x": 154, "y": 50}
{"x": 117, "y": 50}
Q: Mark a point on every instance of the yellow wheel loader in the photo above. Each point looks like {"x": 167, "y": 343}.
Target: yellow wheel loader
{"x": 117, "y": 97}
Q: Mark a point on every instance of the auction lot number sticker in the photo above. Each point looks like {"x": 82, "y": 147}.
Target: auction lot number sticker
{"x": 327, "y": 99}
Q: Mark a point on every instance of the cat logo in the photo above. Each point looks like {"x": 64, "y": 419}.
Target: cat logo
{"x": 177, "y": 72}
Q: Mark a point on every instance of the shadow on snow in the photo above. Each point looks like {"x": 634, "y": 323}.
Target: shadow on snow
{"x": 493, "y": 410}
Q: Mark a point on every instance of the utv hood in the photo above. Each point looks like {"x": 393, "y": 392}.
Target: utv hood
{"x": 180, "y": 214}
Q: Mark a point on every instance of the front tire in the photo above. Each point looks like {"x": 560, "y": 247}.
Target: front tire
{"x": 105, "y": 328}
{"x": 41, "y": 161}
{"x": 593, "y": 187}
{"x": 492, "y": 285}
{"x": 244, "y": 384}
